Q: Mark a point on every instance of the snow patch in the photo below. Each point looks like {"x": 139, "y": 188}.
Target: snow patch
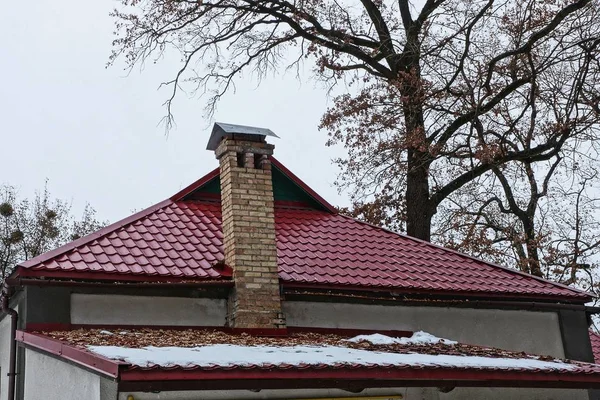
{"x": 226, "y": 355}
{"x": 417, "y": 338}
{"x": 106, "y": 333}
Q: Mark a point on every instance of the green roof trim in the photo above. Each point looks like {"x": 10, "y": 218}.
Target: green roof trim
{"x": 284, "y": 189}
{"x": 213, "y": 186}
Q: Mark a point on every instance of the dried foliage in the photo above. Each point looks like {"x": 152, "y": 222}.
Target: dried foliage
{"x": 29, "y": 228}
{"x": 143, "y": 337}
{"x": 460, "y": 108}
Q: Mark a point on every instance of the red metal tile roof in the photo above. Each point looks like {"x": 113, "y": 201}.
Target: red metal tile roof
{"x": 595, "y": 340}
{"x": 182, "y": 240}
{"x": 73, "y": 347}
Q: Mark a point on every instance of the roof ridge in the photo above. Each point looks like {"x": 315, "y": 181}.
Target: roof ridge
{"x": 93, "y": 236}
{"x": 472, "y": 258}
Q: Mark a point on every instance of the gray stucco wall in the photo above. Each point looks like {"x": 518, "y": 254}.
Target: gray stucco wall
{"x": 146, "y": 310}
{"x": 4, "y": 355}
{"x": 533, "y": 332}
{"x": 49, "y": 378}
{"x": 512, "y": 394}
{"x": 407, "y": 393}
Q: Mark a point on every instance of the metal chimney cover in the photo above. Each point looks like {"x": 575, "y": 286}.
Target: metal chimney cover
{"x": 221, "y": 129}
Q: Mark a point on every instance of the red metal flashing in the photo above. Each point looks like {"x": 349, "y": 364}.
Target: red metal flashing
{"x": 145, "y": 283}
{"x": 352, "y": 386}
{"x": 370, "y": 376}
{"x": 123, "y": 277}
{"x": 79, "y": 356}
{"x": 303, "y": 185}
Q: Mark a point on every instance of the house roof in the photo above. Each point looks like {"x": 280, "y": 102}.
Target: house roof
{"x": 180, "y": 239}
{"x": 595, "y": 341}
{"x": 209, "y": 357}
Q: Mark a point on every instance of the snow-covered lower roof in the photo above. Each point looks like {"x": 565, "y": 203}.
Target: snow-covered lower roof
{"x": 375, "y": 359}
{"x": 227, "y": 355}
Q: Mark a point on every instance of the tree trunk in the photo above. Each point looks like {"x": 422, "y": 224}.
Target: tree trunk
{"x": 418, "y": 205}
{"x": 533, "y": 258}
{"x": 418, "y": 210}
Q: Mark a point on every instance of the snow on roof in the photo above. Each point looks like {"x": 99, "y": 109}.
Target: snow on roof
{"x": 147, "y": 348}
{"x": 227, "y": 355}
{"x": 417, "y": 338}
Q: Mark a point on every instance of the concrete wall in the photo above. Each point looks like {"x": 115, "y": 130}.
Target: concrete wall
{"x": 46, "y": 304}
{"x": 533, "y": 332}
{"x": 146, "y": 310}
{"x": 49, "y": 378}
{"x": 406, "y": 393}
{"x": 4, "y": 354}
{"x": 512, "y": 394}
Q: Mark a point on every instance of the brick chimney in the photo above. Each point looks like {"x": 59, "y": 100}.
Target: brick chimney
{"x": 247, "y": 208}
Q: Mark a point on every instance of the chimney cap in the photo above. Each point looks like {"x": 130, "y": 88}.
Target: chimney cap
{"x": 221, "y": 129}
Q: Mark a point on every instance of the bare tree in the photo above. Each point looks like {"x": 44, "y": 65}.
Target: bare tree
{"x": 439, "y": 96}
{"x": 542, "y": 221}
{"x": 29, "y": 228}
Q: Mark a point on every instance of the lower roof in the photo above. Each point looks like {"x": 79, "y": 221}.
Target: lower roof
{"x": 145, "y": 359}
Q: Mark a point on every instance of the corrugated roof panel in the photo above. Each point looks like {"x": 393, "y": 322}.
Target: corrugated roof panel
{"x": 181, "y": 238}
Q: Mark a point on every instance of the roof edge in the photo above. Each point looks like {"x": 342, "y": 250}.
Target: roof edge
{"x": 451, "y": 294}
{"x": 74, "y": 277}
{"x": 581, "y": 294}
{"x": 95, "y": 362}
{"x": 271, "y": 377}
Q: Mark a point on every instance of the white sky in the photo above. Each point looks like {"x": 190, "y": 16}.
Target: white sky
{"x": 94, "y": 133}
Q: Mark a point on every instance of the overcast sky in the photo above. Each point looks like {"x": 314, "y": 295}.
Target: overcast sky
{"x": 94, "y": 133}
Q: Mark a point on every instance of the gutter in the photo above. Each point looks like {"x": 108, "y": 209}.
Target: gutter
{"x": 12, "y": 358}
{"x": 136, "y": 379}
{"x": 299, "y": 293}
{"x": 126, "y": 284}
